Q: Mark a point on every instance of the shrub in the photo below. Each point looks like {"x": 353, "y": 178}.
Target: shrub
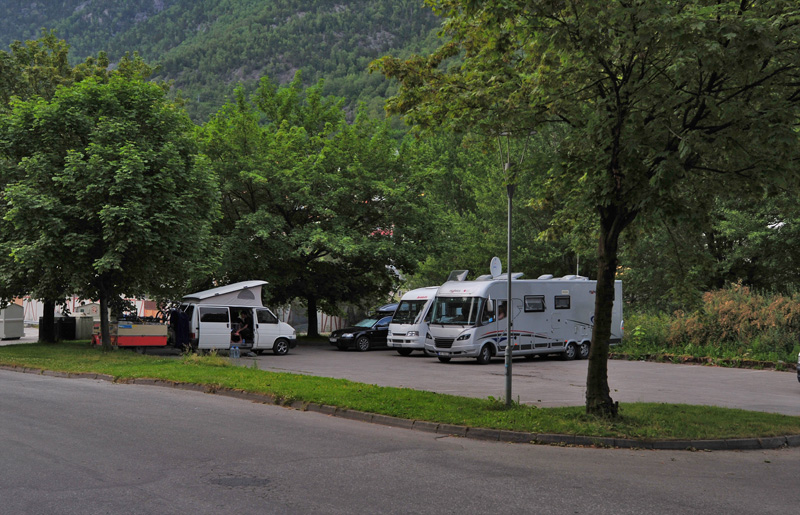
{"x": 737, "y": 321}
{"x": 645, "y": 333}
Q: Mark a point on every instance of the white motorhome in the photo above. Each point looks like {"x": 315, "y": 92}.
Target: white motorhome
{"x": 549, "y": 315}
{"x": 409, "y": 327}
{"x": 213, "y": 318}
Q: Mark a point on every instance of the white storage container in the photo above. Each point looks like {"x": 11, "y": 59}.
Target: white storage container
{"x": 12, "y": 322}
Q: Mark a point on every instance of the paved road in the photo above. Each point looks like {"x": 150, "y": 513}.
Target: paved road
{"x": 79, "y": 446}
{"x": 549, "y": 382}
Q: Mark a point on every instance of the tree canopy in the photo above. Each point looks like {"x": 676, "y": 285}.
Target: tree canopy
{"x": 104, "y": 189}
{"x": 664, "y": 104}
{"x": 324, "y": 210}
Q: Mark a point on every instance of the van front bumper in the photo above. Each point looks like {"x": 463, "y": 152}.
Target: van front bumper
{"x": 404, "y": 343}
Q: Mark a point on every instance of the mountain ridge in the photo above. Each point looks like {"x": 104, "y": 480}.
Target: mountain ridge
{"x": 207, "y": 47}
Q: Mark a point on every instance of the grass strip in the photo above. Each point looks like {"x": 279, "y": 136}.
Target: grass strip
{"x": 643, "y": 421}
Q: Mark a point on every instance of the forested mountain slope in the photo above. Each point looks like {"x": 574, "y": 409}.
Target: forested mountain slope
{"x": 208, "y": 46}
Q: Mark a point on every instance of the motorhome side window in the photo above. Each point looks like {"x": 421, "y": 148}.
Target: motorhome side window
{"x": 218, "y": 315}
{"x": 488, "y": 313}
{"x": 534, "y": 303}
{"x": 561, "y": 302}
{"x": 266, "y": 316}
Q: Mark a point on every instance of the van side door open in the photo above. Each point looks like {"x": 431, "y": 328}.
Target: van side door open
{"x": 267, "y": 329}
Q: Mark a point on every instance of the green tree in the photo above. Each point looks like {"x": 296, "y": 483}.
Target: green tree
{"x": 752, "y": 241}
{"x": 665, "y": 103}
{"x": 36, "y": 68}
{"x": 32, "y": 69}
{"x": 465, "y": 180}
{"x": 325, "y": 211}
{"x": 104, "y": 189}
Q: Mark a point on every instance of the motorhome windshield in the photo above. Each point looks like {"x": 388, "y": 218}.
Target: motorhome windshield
{"x": 456, "y": 310}
{"x": 409, "y": 312}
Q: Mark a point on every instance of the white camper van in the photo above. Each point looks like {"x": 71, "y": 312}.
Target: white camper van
{"x": 409, "y": 327}
{"x": 216, "y": 315}
{"x": 549, "y": 315}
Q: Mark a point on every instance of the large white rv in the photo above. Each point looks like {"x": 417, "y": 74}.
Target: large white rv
{"x": 409, "y": 327}
{"x": 549, "y": 315}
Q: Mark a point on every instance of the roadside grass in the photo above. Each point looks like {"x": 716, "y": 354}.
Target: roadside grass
{"x": 643, "y": 421}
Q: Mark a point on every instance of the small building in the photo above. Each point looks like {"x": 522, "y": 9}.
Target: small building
{"x": 92, "y": 309}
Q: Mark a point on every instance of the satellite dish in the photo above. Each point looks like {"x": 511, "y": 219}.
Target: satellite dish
{"x": 495, "y": 267}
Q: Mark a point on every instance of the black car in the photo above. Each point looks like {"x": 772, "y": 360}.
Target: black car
{"x": 365, "y": 335}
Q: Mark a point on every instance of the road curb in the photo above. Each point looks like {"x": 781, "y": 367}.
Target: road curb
{"x": 477, "y": 433}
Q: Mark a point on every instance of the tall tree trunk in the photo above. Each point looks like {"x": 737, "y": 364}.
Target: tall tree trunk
{"x": 47, "y": 329}
{"x": 105, "y": 334}
{"x": 598, "y": 397}
{"x": 313, "y": 324}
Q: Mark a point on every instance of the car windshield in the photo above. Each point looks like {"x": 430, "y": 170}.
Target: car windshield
{"x": 456, "y": 310}
{"x": 367, "y": 322}
{"x": 409, "y": 312}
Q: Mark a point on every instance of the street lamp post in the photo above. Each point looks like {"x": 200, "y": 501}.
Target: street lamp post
{"x": 510, "y": 186}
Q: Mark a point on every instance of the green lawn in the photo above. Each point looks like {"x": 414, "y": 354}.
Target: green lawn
{"x": 644, "y": 421}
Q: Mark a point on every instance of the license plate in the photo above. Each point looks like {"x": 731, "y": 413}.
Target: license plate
{"x": 333, "y": 340}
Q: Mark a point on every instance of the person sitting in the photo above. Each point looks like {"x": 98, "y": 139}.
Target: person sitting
{"x": 501, "y": 311}
{"x": 245, "y": 330}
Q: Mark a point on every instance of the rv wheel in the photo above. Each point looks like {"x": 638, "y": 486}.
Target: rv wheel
{"x": 583, "y": 350}
{"x": 404, "y": 352}
{"x": 570, "y": 353}
{"x": 485, "y": 355}
{"x": 280, "y": 347}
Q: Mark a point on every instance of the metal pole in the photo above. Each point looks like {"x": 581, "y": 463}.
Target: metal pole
{"x": 509, "y": 342}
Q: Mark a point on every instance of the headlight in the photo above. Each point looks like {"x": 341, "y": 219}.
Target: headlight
{"x": 346, "y": 335}
{"x": 412, "y": 334}
{"x": 463, "y": 337}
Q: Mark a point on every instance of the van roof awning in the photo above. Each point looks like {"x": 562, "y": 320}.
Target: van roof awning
{"x": 244, "y": 293}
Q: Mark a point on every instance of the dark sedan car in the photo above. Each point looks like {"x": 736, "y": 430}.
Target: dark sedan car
{"x": 365, "y": 335}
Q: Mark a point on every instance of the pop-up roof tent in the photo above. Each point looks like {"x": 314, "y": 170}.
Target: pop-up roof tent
{"x": 245, "y": 293}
